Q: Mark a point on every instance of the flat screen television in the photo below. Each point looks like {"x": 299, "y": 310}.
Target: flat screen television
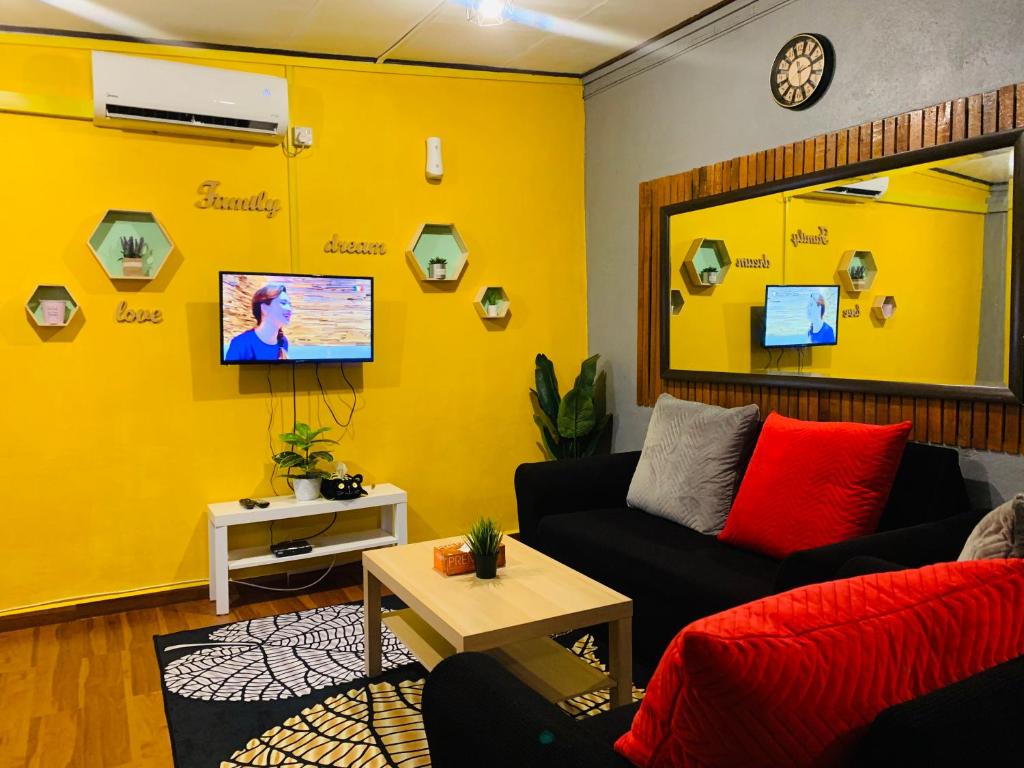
{"x": 801, "y": 315}
{"x": 274, "y": 318}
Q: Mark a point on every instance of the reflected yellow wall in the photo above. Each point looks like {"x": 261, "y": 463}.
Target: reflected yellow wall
{"x": 927, "y": 237}
{"x": 119, "y": 435}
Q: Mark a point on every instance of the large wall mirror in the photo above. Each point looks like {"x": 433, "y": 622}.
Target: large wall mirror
{"x": 900, "y": 275}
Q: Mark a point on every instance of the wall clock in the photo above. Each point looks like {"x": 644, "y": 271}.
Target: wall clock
{"x": 802, "y": 71}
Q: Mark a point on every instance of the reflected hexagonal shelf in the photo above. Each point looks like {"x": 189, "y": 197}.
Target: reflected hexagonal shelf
{"x": 883, "y": 307}
{"x": 105, "y": 244}
{"x": 492, "y": 302}
{"x": 438, "y": 243}
{"x": 707, "y": 262}
{"x": 676, "y": 301}
{"x": 51, "y": 306}
{"x": 857, "y": 270}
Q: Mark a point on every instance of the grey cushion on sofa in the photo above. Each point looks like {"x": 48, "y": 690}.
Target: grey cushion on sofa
{"x": 998, "y": 534}
{"x": 690, "y": 462}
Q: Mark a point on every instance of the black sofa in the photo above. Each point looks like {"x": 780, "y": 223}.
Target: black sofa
{"x": 476, "y": 712}
{"x": 576, "y": 512}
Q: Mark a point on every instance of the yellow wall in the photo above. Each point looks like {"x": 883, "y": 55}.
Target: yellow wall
{"x": 119, "y": 435}
{"x": 927, "y": 236}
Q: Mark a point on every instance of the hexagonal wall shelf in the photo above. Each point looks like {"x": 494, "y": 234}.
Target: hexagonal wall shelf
{"x": 436, "y": 243}
{"x": 676, "y": 301}
{"x": 883, "y": 307}
{"x": 105, "y": 244}
{"x": 857, "y": 270}
{"x": 492, "y": 302}
{"x": 707, "y": 262}
{"x": 51, "y": 306}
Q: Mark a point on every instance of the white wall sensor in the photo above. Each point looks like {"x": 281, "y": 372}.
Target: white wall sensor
{"x": 435, "y": 167}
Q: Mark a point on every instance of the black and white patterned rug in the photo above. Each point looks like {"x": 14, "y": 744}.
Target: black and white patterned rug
{"x": 289, "y": 690}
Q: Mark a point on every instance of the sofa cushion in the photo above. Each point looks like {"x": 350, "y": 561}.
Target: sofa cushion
{"x": 687, "y": 575}
{"x": 929, "y": 486}
{"x": 1000, "y": 533}
{"x": 689, "y": 467}
{"x": 810, "y": 484}
{"x": 795, "y": 679}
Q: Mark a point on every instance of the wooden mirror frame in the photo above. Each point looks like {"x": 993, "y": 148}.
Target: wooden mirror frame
{"x": 1012, "y": 393}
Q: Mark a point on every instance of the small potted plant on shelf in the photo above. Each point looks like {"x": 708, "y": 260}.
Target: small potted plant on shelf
{"x": 132, "y": 251}
{"x": 858, "y": 275}
{"x": 301, "y": 461}
{"x": 709, "y": 275}
{"x": 438, "y": 268}
{"x": 492, "y": 302}
{"x": 484, "y": 542}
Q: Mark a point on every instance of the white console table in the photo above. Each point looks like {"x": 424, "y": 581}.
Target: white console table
{"x": 391, "y": 500}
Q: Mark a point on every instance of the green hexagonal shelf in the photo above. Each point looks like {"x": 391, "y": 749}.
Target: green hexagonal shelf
{"x": 857, "y": 270}
{"x": 707, "y": 262}
{"x": 492, "y": 302}
{"x": 438, "y": 252}
{"x": 883, "y": 307}
{"x": 51, "y": 306}
{"x": 105, "y": 244}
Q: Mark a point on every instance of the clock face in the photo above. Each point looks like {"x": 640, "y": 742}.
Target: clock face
{"x": 802, "y": 71}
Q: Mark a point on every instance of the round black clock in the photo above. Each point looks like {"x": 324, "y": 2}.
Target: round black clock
{"x": 802, "y": 71}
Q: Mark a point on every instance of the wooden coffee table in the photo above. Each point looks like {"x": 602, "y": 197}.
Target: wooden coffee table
{"x": 510, "y": 617}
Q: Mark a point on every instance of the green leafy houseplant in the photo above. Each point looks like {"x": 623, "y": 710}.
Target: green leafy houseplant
{"x": 491, "y": 301}
{"x": 302, "y": 458}
{"x": 574, "y": 425}
{"x": 484, "y": 542}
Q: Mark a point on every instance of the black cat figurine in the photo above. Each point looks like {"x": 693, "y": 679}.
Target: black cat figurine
{"x": 343, "y": 488}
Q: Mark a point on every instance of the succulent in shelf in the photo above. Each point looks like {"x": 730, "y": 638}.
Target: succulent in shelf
{"x": 492, "y": 301}
{"x": 858, "y": 272}
{"x": 709, "y": 275}
{"x": 575, "y": 425}
{"x": 438, "y": 267}
{"x": 132, "y": 251}
{"x": 133, "y": 247}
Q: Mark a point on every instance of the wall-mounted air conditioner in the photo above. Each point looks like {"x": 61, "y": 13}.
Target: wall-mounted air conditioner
{"x": 152, "y": 95}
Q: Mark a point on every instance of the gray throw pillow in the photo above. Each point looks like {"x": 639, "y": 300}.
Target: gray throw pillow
{"x": 689, "y": 467}
{"x": 999, "y": 534}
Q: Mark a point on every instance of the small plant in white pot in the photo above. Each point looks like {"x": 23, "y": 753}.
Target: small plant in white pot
{"x": 492, "y": 302}
{"x": 301, "y": 461}
{"x": 438, "y": 268}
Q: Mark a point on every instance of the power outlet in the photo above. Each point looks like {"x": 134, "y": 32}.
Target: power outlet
{"x": 302, "y": 136}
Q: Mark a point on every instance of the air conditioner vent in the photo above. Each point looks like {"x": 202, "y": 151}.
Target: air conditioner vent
{"x": 213, "y": 121}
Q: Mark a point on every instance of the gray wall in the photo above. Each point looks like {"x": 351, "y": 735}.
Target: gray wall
{"x": 701, "y": 96}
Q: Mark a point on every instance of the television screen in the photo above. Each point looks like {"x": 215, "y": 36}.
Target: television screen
{"x": 268, "y": 318}
{"x": 801, "y": 315}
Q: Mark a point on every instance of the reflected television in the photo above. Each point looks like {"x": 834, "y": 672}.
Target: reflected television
{"x": 268, "y": 318}
{"x": 801, "y": 315}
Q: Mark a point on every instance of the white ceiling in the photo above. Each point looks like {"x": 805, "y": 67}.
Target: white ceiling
{"x": 597, "y": 30}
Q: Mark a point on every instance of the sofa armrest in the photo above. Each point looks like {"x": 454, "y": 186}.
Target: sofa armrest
{"x": 476, "y": 712}
{"x": 573, "y": 485}
{"x": 915, "y": 546}
{"x": 972, "y": 722}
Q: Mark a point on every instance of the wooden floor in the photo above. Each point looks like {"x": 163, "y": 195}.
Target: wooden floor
{"x": 87, "y": 692}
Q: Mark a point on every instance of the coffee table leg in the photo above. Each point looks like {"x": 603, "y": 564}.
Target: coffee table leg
{"x": 620, "y": 637}
{"x": 371, "y": 621}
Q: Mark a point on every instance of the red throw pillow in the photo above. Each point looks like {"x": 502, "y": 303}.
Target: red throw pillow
{"x": 794, "y": 679}
{"x": 813, "y": 483}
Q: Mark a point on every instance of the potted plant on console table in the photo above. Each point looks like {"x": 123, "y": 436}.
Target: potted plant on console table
{"x": 301, "y": 461}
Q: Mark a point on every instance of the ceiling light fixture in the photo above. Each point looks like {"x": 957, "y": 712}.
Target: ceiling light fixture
{"x": 488, "y": 13}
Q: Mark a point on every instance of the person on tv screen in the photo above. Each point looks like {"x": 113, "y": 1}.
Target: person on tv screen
{"x": 820, "y": 332}
{"x": 273, "y": 311}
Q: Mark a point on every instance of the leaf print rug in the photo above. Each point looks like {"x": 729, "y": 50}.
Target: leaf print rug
{"x": 289, "y": 690}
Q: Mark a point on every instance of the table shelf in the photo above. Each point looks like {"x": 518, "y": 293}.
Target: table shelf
{"x": 323, "y": 546}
